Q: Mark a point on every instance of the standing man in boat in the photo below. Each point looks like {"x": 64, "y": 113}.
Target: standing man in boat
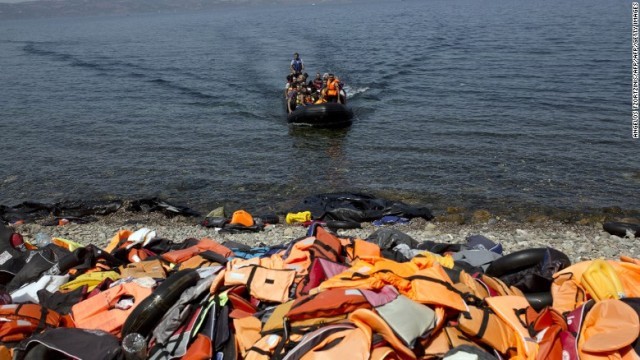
{"x": 296, "y": 65}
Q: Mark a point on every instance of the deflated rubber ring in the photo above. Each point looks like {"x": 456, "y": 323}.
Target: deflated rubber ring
{"x": 337, "y": 224}
{"x": 539, "y": 300}
{"x": 516, "y": 261}
{"x": 146, "y": 316}
{"x": 620, "y": 228}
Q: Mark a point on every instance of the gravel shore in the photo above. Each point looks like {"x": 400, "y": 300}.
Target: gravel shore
{"x": 578, "y": 241}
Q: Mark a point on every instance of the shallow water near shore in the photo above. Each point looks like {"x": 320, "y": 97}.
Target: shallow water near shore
{"x": 513, "y": 107}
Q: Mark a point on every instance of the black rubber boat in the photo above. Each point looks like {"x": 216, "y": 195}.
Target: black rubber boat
{"x": 325, "y": 115}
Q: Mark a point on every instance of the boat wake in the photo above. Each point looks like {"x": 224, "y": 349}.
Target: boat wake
{"x": 353, "y": 91}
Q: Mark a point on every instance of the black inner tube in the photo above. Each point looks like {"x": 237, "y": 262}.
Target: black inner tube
{"x": 620, "y": 228}
{"x": 144, "y": 318}
{"x": 517, "y": 261}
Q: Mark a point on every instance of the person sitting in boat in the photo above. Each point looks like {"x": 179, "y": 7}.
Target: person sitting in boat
{"x": 302, "y": 79}
{"x": 289, "y": 84}
{"x": 304, "y": 95}
{"x": 308, "y": 98}
{"x": 332, "y": 90}
{"x": 292, "y": 97}
{"x": 321, "y": 97}
{"x": 300, "y": 96}
{"x": 316, "y": 83}
{"x": 297, "y": 65}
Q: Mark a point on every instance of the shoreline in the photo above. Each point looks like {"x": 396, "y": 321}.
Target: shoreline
{"x": 580, "y": 241}
{"x": 471, "y": 210}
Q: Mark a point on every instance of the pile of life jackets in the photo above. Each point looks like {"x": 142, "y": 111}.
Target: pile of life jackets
{"x": 321, "y": 296}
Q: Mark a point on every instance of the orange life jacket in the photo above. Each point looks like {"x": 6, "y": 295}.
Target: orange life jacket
{"x": 567, "y": 290}
{"x": 498, "y": 286}
{"x": 197, "y": 262}
{"x": 151, "y": 268}
{"x": 99, "y": 311}
{"x": 549, "y": 327}
{"x": 444, "y": 340}
{"x": 433, "y": 286}
{"x": 117, "y": 240}
{"x": 428, "y": 285}
{"x": 607, "y": 332}
{"x": 276, "y": 321}
{"x": 371, "y": 323}
{"x": 263, "y": 348}
{"x": 247, "y": 333}
{"x": 263, "y": 284}
{"x": 344, "y": 344}
{"x": 360, "y": 249}
{"x": 242, "y": 217}
{"x": 179, "y": 256}
{"x": 332, "y": 87}
{"x": 484, "y": 325}
{"x": 507, "y": 308}
{"x": 5, "y": 352}
{"x": 22, "y": 320}
{"x": 328, "y": 303}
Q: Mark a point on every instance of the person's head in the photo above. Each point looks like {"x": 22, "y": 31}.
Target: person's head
{"x": 331, "y": 77}
{"x": 318, "y": 76}
{"x": 325, "y": 76}
{"x": 295, "y": 55}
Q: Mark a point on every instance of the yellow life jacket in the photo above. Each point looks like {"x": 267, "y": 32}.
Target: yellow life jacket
{"x": 298, "y": 217}
{"x": 67, "y": 244}
{"x": 601, "y": 281}
{"x": 91, "y": 279}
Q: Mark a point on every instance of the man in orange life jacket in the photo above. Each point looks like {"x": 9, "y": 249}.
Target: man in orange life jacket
{"x": 332, "y": 91}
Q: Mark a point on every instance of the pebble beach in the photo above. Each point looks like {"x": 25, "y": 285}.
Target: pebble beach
{"x": 580, "y": 241}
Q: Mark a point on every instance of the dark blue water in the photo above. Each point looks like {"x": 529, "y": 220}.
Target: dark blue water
{"x": 475, "y": 103}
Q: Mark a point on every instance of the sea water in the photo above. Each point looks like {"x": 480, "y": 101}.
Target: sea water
{"x": 473, "y": 103}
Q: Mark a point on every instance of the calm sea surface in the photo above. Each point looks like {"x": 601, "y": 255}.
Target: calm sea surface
{"x": 476, "y": 103}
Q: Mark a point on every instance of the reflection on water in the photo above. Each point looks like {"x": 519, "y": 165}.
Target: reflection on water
{"x": 323, "y": 149}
